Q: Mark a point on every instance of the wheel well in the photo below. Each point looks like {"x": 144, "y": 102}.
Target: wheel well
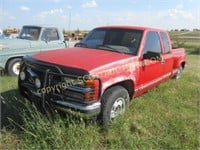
{"x": 183, "y": 64}
{"x": 6, "y": 67}
{"x": 128, "y": 85}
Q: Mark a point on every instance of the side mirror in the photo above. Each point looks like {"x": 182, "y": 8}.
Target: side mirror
{"x": 152, "y": 56}
{"x": 47, "y": 40}
{"x": 66, "y": 43}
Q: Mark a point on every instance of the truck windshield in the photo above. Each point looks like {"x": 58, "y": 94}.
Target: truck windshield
{"x": 111, "y": 39}
{"x": 30, "y": 33}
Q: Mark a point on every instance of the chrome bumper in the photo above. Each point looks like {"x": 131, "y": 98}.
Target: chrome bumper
{"x": 85, "y": 110}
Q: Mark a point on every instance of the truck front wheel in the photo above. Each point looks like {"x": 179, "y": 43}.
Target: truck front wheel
{"x": 114, "y": 102}
{"x": 14, "y": 67}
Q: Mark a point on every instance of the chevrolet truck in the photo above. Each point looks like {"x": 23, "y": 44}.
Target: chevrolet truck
{"x": 31, "y": 39}
{"x": 102, "y": 73}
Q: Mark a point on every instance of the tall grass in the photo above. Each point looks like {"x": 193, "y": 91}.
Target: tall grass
{"x": 30, "y": 129}
{"x": 167, "y": 117}
{"x": 43, "y": 133}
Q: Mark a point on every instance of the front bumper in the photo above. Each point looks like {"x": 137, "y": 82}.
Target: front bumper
{"x": 73, "y": 107}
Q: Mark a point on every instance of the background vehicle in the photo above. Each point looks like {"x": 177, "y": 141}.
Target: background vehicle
{"x": 32, "y": 39}
{"x": 103, "y": 72}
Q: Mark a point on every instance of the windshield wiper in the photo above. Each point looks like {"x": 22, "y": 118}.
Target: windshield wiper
{"x": 80, "y": 45}
{"x": 107, "y": 47}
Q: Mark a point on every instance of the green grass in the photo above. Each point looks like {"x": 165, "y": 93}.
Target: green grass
{"x": 166, "y": 117}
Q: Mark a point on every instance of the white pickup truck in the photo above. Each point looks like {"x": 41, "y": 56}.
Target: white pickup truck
{"x": 31, "y": 39}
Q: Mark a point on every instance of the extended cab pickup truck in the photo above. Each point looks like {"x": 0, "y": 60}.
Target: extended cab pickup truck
{"x": 100, "y": 75}
{"x": 32, "y": 39}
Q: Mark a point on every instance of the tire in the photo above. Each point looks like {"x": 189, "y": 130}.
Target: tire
{"x": 114, "y": 102}
{"x": 178, "y": 74}
{"x": 14, "y": 67}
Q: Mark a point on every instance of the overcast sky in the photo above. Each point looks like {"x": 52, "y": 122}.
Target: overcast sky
{"x": 87, "y": 14}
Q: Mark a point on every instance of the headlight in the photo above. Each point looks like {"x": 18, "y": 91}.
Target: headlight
{"x": 22, "y": 75}
{"x": 72, "y": 81}
{"x": 37, "y": 83}
{"x": 74, "y": 94}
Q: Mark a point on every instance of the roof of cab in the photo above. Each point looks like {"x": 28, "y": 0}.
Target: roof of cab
{"x": 132, "y": 27}
{"x": 40, "y": 26}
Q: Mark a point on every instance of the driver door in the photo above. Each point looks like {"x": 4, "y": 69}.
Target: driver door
{"x": 151, "y": 68}
{"x": 50, "y": 39}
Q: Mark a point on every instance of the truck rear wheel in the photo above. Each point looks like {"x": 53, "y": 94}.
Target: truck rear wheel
{"x": 178, "y": 74}
{"x": 114, "y": 102}
{"x": 14, "y": 67}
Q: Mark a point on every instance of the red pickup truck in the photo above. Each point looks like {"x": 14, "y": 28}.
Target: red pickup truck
{"x": 102, "y": 73}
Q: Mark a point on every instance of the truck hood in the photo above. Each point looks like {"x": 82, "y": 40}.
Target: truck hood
{"x": 81, "y": 58}
{"x": 14, "y": 43}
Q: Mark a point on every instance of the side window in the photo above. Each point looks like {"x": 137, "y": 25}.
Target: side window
{"x": 165, "y": 42}
{"x": 152, "y": 43}
{"x": 50, "y": 35}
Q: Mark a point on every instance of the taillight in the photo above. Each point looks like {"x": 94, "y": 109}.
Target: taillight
{"x": 93, "y": 84}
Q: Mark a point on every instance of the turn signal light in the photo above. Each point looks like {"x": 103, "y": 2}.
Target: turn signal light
{"x": 94, "y": 84}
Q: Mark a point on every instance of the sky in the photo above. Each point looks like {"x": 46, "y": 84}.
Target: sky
{"x": 88, "y": 14}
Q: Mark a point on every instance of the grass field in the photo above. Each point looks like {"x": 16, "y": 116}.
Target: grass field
{"x": 186, "y": 39}
{"x": 165, "y": 118}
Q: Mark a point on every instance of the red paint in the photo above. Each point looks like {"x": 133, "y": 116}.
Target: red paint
{"x": 87, "y": 59}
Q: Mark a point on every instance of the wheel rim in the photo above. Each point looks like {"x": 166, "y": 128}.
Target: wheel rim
{"x": 16, "y": 68}
{"x": 179, "y": 73}
{"x": 118, "y": 108}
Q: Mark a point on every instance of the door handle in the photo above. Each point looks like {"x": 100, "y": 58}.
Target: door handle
{"x": 162, "y": 61}
{"x": 143, "y": 63}
{"x": 61, "y": 42}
